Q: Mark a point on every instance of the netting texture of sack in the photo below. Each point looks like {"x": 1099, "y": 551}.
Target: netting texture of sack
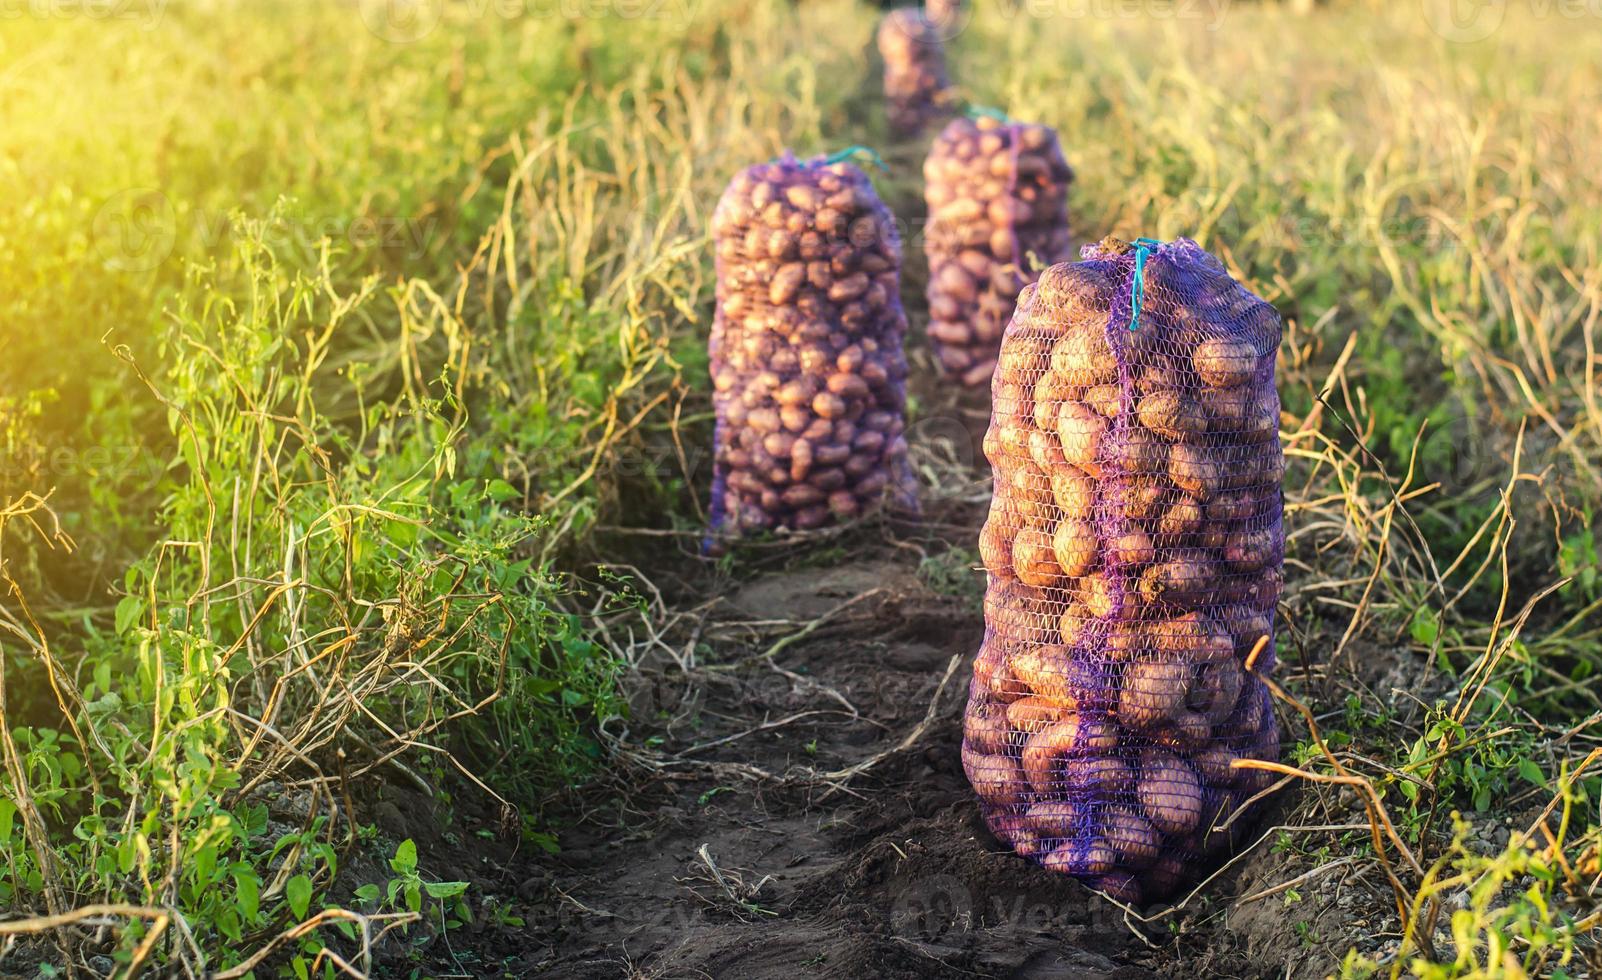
{"x": 915, "y": 80}
{"x": 808, "y": 371}
{"x": 1134, "y": 555}
{"x": 997, "y": 194}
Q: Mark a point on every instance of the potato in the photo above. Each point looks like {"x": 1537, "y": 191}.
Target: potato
{"x": 1186, "y": 732}
{"x": 1163, "y": 878}
{"x": 1083, "y": 357}
{"x": 1049, "y": 672}
{"x": 984, "y": 727}
{"x": 1137, "y": 451}
{"x": 1071, "y": 491}
{"x": 1121, "y": 887}
{"x": 1153, "y": 692}
{"x": 1074, "y": 625}
{"x": 1143, "y": 498}
{"x": 1185, "y": 580}
{"x": 1248, "y": 551}
{"x": 1049, "y": 394}
{"x": 1261, "y": 422}
{"x": 1019, "y": 611}
{"x": 1245, "y": 625}
{"x": 1025, "y": 356}
{"x": 1226, "y": 409}
{"x": 1128, "y": 640}
{"x": 1195, "y": 470}
{"x": 1034, "y": 560}
{"x": 1214, "y": 766}
{"x": 1014, "y": 830}
{"x": 1171, "y": 414}
{"x": 1095, "y": 857}
{"x": 1265, "y": 748}
{"x": 1104, "y": 400}
{"x": 995, "y": 547}
{"x": 1079, "y": 286}
{"x": 1030, "y": 714}
{"x": 1026, "y": 488}
{"x": 1097, "y": 594}
{"x": 1080, "y": 431}
{"x": 1014, "y": 400}
{"x": 993, "y": 675}
{"x": 1131, "y": 836}
{"x": 1170, "y": 794}
{"x": 1255, "y": 710}
{"x": 1225, "y": 363}
{"x": 1046, "y": 451}
{"x": 995, "y": 777}
{"x": 1046, "y": 750}
{"x": 1104, "y": 773}
{"x": 1074, "y": 544}
{"x": 1132, "y": 548}
{"x": 1054, "y": 820}
{"x": 1194, "y": 636}
{"x": 1007, "y": 442}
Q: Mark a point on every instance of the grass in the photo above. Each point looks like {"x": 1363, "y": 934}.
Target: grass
{"x": 325, "y": 355}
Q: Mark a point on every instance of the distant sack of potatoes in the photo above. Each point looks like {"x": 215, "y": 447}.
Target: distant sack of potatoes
{"x": 1134, "y": 555}
{"x": 997, "y": 194}
{"x": 808, "y": 371}
{"x": 916, "y": 88}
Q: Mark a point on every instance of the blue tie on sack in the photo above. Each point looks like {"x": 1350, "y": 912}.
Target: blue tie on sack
{"x": 852, "y": 151}
{"x": 1137, "y": 289}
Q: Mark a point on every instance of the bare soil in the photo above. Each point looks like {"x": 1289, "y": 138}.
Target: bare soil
{"x": 805, "y": 814}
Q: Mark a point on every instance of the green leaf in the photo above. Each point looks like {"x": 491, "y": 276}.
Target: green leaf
{"x": 298, "y": 892}
{"x": 500, "y": 491}
{"x": 8, "y": 813}
{"x": 1532, "y": 773}
{"x": 128, "y": 609}
{"x": 405, "y": 859}
{"x": 444, "y": 889}
{"x": 1426, "y": 626}
{"x": 367, "y": 893}
{"x": 247, "y": 893}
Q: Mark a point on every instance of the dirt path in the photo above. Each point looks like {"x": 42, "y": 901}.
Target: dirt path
{"x": 755, "y": 851}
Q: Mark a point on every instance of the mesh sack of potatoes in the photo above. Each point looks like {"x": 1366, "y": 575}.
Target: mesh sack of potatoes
{"x": 808, "y": 371}
{"x": 997, "y": 193}
{"x": 915, "y": 81}
{"x": 1134, "y": 557}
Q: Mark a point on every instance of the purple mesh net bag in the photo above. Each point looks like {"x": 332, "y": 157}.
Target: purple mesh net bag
{"x": 915, "y": 80}
{"x": 808, "y": 371}
{"x": 997, "y": 194}
{"x": 1134, "y": 554}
